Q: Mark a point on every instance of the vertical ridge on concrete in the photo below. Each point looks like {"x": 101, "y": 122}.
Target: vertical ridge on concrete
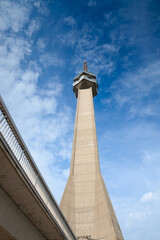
{"x": 85, "y": 202}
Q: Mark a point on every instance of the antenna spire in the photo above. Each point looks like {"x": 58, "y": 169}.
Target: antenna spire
{"x": 85, "y": 68}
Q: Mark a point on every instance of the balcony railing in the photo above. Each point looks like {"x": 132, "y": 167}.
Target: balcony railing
{"x": 16, "y": 144}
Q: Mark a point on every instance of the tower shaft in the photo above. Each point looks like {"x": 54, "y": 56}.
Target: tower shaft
{"x": 85, "y": 202}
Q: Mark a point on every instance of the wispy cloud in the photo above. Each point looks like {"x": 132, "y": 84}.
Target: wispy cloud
{"x": 100, "y": 57}
{"x": 48, "y": 59}
{"x": 130, "y": 91}
{"x": 13, "y": 15}
{"x": 70, "y": 21}
{"x": 109, "y": 19}
{"x": 151, "y": 196}
{"x": 92, "y": 3}
{"x": 37, "y": 4}
{"x": 41, "y": 44}
{"x": 33, "y": 27}
{"x": 129, "y": 154}
{"x": 43, "y": 122}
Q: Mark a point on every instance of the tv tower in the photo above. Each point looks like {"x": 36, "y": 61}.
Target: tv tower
{"x": 85, "y": 202}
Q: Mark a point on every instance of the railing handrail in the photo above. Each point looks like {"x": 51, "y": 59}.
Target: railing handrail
{"x": 23, "y": 156}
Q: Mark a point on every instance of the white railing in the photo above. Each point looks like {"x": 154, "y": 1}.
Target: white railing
{"x": 16, "y": 144}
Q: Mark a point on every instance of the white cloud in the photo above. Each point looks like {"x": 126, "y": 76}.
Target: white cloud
{"x": 33, "y": 27}
{"x": 108, "y": 15}
{"x": 37, "y": 4}
{"x": 43, "y": 122}
{"x": 12, "y": 51}
{"x": 92, "y": 3}
{"x": 70, "y": 21}
{"x": 142, "y": 216}
{"x": 132, "y": 89}
{"x": 85, "y": 44}
{"x": 151, "y": 196}
{"x": 110, "y": 19}
{"x": 130, "y": 160}
{"x": 13, "y": 15}
{"x": 41, "y": 44}
{"x": 50, "y": 60}
{"x": 129, "y": 157}
{"x": 147, "y": 197}
{"x": 53, "y": 87}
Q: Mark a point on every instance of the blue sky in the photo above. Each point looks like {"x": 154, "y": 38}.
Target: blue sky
{"x": 42, "y": 48}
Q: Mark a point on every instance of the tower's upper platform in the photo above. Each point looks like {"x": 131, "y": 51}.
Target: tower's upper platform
{"x": 85, "y": 80}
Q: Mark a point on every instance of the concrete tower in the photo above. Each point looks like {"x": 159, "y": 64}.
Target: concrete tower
{"x": 85, "y": 202}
